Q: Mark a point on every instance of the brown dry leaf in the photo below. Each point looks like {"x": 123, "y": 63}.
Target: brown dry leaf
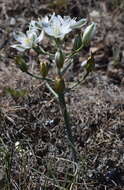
{"x": 58, "y": 4}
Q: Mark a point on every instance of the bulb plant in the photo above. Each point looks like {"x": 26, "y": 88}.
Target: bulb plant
{"x": 56, "y": 28}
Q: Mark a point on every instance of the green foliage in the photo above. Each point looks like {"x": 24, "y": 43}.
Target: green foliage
{"x": 16, "y": 93}
{"x": 20, "y": 61}
{"x": 77, "y": 42}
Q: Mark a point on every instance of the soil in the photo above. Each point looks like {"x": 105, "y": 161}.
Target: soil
{"x": 34, "y": 153}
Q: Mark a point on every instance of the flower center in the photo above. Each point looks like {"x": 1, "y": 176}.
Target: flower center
{"x": 27, "y": 41}
{"x": 56, "y": 30}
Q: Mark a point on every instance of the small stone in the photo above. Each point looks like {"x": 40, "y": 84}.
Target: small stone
{"x": 33, "y": 53}
{"x": 121, "y": 115}
{"x": 95, "y": 15}
{"x": 113, "y": 72}
{"x": 122, "y": 82}
{"x": 12, "y": 21}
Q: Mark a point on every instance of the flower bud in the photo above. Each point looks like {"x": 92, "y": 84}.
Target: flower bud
{"x": 88, "y": 34}
{"x": 77, "y": 43}
{"x": 44, "y": 69}
{"x": 59, "y": 85}
{"x": 21, "y": 64}
{"x": 90, "y": 63}
{"x": 59, "y": 59}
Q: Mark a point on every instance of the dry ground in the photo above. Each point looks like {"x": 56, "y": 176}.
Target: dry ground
{"x": 41, "y": 159}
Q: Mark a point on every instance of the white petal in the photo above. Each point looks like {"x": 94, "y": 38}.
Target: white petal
{"x": 49, "y": 31}
{"x": 18, "y": 47}
{"x": 31, "y": 34}
{"x": 60, "y": 19}
{"x": 32, "y": 25}
{"x": 19, "y": 36}
{"x": 52, "y": 17}
{"x": 56, "y": 22}
{"x": 45, "y": 19}
{"x": 78, "y": 24}
{"x": 40, "y": 38}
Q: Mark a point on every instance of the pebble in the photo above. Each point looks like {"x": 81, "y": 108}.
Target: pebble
{"x": 12, "y": 21}
{"x": 95, "y": 16}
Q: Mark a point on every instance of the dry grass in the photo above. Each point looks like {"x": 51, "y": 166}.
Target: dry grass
{"x": 33, "y": 146}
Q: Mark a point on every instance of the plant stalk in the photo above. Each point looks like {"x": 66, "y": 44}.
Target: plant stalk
{"x": 65, "y": 114}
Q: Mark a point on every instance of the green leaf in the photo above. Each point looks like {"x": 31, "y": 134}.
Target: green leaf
{"x": 20, "y": 62}
{"x": 77, "y": 43}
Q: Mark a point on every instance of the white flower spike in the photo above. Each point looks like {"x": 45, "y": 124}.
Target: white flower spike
{"x": 28, "y": 40}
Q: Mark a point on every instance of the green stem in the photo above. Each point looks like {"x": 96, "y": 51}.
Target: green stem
{"x": 38, "y": 77}
{"x": 80, "y": 81}
{"x": 75, "y": 52}
{"x": 69, "y": 58}
{"x": 40, "y": 50}
{"x": 67, "y": 125}
{"x": 51, "y": 90}
{"x": 67, "y": 66}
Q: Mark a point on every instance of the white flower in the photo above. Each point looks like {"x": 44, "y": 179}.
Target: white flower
{"x": 28, "y": 40}
{"x": 58, "y": 27}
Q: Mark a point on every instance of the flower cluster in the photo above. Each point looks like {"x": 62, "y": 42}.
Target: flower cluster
{"x": 53, "y": 26}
